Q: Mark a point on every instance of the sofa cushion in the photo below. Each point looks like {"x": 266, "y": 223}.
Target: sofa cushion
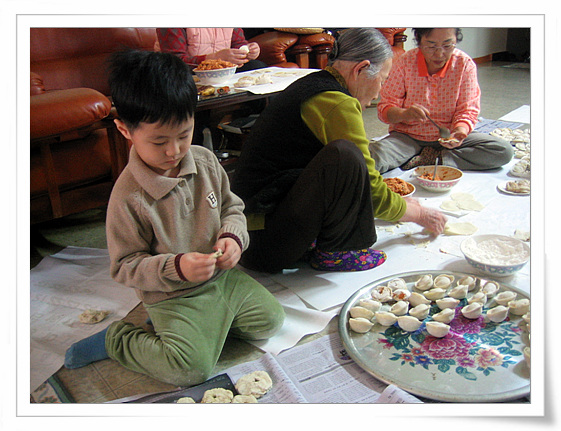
{"x": 273, "y": 46}
{"x": 57, "y": 112}
{"x": 317, "y": 39}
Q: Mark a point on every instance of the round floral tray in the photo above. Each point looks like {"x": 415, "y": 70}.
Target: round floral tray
{"x": 477, "y": 361}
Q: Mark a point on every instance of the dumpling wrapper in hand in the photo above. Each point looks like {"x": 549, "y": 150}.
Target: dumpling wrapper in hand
{"x": 465, "y": 228}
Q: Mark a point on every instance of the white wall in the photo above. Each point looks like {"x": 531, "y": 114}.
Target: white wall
{"x": 477, "y": 42}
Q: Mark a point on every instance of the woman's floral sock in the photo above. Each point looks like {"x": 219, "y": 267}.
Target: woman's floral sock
{"x": 354, "y": 260}
{"x": 426, "y": 157}
{"x": 86, "y": 351}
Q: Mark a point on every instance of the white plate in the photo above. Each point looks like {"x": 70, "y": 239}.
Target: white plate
{"x": 502, "y": 188}
{"x": 414, "y": 188}
{"x": 475, "y": 362}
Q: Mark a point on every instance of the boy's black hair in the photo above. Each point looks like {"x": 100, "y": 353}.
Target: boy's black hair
{"x": 420, "y": 32}
{"x": 151, "y": 87}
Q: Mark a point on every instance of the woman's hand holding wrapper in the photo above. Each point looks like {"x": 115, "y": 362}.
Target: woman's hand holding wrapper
{"x": 431, "y": 219}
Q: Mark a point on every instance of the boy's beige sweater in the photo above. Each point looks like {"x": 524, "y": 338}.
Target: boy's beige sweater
{"x": 152, "y": 218}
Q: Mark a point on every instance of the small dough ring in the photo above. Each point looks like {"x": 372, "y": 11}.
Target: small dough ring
{"x": 257, "y": 384}
{"x": 218, "y": 395}
{"x": 244, "y": 399}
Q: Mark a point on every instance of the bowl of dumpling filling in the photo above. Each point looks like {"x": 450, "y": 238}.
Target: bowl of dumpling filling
{"x": 399, "y": 186}
{"x": 446, "y": 177}
{"x": 495, "y": 255}
{"x": 214, "y": 72}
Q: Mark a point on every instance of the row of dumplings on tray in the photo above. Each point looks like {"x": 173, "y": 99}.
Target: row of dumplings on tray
{"x": 394, "y": 302}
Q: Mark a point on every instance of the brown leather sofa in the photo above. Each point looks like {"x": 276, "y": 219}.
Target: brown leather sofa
{"x": 76, "y": 152}
{"x": 291, "y": 49}
{"x": 308, "y": 49}
{"x": 396, "y": 37}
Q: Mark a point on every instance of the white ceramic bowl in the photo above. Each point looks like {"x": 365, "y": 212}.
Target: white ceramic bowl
{"x": 215, "y": 76}
{"x": 450, "y": 177}
{"x": 486, "y": 252}
{"x": 406, "y": 196}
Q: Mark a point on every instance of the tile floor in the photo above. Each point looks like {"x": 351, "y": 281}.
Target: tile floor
{"x": 503, "y": 90}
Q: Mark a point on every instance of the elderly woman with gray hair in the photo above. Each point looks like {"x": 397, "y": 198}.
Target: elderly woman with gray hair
{"x": 310, "y": 186}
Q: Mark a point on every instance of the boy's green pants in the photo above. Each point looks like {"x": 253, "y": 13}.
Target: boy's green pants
{"x": 190, "y": 331}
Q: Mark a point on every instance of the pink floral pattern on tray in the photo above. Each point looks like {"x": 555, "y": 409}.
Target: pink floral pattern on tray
{"x": 472, "y": 348}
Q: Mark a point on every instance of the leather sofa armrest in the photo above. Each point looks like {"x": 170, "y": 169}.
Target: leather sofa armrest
{"x": 391, "y": 32}
{"x": 273, "y": 46}
{"x": 59, "y": 111}
{"x": 36, "y": 84}
{"x": 317, "y": 39}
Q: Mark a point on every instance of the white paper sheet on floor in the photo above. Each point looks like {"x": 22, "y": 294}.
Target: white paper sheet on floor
{"x": 409, "y": 249}
{"x": 521, "y": 115}
{"x": 62, "y": 286}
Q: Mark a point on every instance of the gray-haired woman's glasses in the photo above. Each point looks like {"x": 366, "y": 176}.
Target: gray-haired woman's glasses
{"x": 433, "y": 48}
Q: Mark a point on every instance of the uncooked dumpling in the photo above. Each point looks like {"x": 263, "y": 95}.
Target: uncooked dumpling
{"x": 263, "y": 79}
{"x": 417, "y": 299}
{"x": 370, "y": 304}
{"x": 400, "y": 308}
{"x": 437, "y": 329}
{"x": 363, "y": 312}
{"x": 473, "y": 310}
{"x": 497, "y": 314}
{"x": 459, "y": 292}
{"x": 409, "y": 323}
{"x": 360, "y": 324}
{"x": 420, "y": 311}
{"x": 385, "y": 318}
{"x": 245, "y": 81}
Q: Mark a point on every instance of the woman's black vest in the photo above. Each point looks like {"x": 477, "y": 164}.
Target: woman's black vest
{"x": 280, "y": 145}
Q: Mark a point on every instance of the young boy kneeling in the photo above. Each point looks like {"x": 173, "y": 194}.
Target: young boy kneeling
{"x": 170, "y": 212}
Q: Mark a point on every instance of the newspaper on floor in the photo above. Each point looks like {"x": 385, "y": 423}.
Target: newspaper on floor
{"x": 316, "y": 372}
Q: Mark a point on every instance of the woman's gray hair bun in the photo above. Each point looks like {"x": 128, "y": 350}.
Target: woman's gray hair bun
{"x": 358, "y": 44}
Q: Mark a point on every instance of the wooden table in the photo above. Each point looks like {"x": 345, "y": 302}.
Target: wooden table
{"x": 234, "y": 97}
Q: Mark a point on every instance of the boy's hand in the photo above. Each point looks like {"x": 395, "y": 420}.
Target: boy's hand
{"x": 231, "y": 253}
{"x": 197, "y": 267}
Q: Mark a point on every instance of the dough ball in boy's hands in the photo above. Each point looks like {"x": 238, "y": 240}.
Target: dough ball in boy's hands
{"x": 245, "y": 49}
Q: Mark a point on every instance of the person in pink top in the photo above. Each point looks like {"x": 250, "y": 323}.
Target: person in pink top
{"x": 438, "y": 80}
{"x": 194, "y": 45}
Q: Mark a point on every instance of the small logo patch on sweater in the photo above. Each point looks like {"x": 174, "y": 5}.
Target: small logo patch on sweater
{"x": 211, "y": 198}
